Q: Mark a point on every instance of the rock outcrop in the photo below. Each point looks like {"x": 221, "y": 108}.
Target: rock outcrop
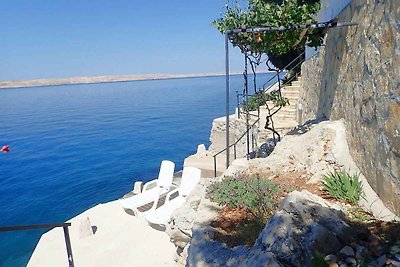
{"x": 305, "y": 225}
{"x": 182, "y": 221}
{"x": 315, "y": 149}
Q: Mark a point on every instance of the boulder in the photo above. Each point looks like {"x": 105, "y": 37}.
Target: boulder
{"x": 304, "y": 225}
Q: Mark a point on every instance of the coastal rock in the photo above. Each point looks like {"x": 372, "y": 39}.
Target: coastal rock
{"x": 180, "y": 226}
{"x": 381, "y": 261}
{"x": 237, "y": 166}
{"x": 331, "y": 258}
{"x": 296, "y": 153}
{"x": 351, "y": 261}
{"x": 319, "y": 149}
{"x": 203, "y": 250}
{"x": 303, "y": 225}
{"x": 347, "y": 251}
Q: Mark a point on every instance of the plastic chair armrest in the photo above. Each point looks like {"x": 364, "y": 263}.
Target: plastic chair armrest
{"x": 146, "y": 185}
{"x": 170, "y": 193}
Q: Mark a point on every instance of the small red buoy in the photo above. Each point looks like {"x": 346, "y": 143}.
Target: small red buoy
{"x": 5, "y": 149}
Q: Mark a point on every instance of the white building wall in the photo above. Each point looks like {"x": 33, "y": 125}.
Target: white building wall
{"x": 329, "y": 10}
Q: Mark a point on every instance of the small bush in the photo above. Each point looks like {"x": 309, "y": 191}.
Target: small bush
{"x": 253, "y": 193}
{"x": 342, "y": 186}
{"x": 261, "y": 98}
{"x": 254, "y": 101}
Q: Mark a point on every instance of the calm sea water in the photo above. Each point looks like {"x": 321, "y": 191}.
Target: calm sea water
{"x": 72, "y": 147}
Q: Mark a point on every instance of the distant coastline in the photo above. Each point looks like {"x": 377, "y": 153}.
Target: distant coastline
{"x": 103, "y": 79}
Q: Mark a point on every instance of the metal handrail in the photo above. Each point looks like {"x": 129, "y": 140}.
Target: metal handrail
{"x": 275, "y": 76}
{"x": 264, "y": 88}
{"x": 46, "y": 226}
{"x": 285, "y": 68}
{"x": 232, "y": 145}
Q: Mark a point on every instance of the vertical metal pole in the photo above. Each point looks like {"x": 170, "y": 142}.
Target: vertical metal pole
{"x": 69, "y": 248}
{"x": 227, "y": 95}
{"x": 215, "y": 166}
{"x": 279, "y": 83}
{"x": 246, "y": 89}
{"x": 238, "y": 104}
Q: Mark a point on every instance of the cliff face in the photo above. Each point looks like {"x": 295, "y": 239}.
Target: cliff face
{"x": 356, "y": 76}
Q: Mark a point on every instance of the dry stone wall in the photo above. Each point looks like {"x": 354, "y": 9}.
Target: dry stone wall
{"x": 356, "y": 76}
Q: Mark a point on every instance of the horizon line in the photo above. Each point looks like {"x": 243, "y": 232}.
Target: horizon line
{"x": 10, "y": 84}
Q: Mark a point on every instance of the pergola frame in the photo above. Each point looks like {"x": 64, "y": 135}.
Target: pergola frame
{"x": 329, "y": 24}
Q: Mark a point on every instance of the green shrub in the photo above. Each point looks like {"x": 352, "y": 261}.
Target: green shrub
{"x": 260, "y": 98}
{"x": 281, "y": 46}
{"x": 253, "y": 102}
{"x": 340, "y": 185}
{"x": 253, "y": 193}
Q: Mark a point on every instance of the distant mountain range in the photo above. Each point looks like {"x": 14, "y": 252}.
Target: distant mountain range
{"x": 103, "y": 79}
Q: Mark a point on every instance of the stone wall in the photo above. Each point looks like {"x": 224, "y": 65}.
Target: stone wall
{"x": 237, "y": 128}
{"x": 356, "y": 76}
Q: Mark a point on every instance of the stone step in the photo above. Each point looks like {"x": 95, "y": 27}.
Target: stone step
{"x": 287, "y": 124}
{"x": 265, "y": 132}
{"x": 287, "y": 109}
{"x": 287, "y": 112}
{"x": 291, "y": 88}
{"x": 295, "y": 83}
{"x": 280, "y": 116}
{"x": 292, "y": 99}
{"x": 291, "y": 94}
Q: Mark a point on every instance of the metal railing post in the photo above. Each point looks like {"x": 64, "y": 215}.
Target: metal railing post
{"x": 238, "y": 103}
{"x": 227, "y": 95}
{"x": 215, "y": 166}
{"x": 45, "y": 226}
{"x": 68, "y": 245}
{"x": 246, "y": 89}
{"x": 252, "y": 139}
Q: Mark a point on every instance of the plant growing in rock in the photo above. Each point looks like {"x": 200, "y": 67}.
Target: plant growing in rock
{"x": 341, "y": 185}
{"x": 276, "y": 103}
{"x": 255, "y": 194}
{"x": 261, "y": 98}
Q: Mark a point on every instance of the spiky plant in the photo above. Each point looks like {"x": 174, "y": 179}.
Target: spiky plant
{"x": 343, "y": 186}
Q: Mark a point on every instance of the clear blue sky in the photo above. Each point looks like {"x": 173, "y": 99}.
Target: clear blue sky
{"x": 54, "y": 38}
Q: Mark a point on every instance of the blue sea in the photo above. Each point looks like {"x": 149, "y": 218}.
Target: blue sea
{"x": 72, "y": 147}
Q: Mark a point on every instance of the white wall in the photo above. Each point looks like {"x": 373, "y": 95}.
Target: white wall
{"x": 329, "y": 10}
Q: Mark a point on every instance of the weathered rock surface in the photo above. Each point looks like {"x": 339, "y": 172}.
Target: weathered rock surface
{"x": 182, "y": 220}
{"x": 316, "y": 149}
{"x": 356, "y": 77}
{"x": 304, "y": 225}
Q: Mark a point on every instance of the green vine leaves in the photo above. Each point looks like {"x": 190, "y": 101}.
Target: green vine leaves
{"x": 258, "y": 13}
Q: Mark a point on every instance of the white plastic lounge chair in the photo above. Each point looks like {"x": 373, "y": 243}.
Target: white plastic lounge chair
{"x": 148, "y": 195}
{"x": 161, "y": 216}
